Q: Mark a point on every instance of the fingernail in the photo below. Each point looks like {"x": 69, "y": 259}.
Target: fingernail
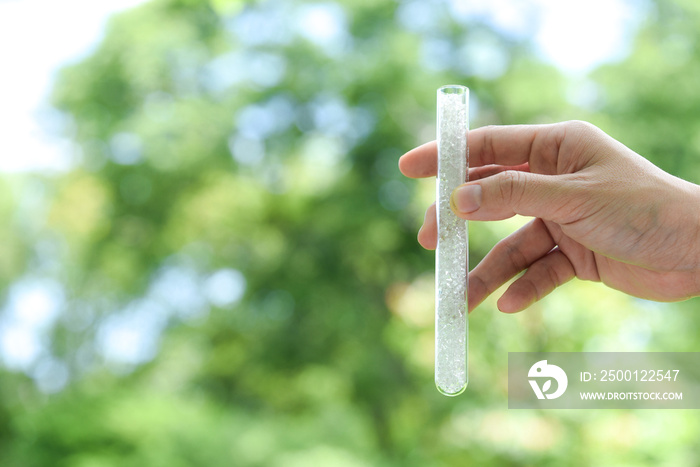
{"x": 466, "y": 198}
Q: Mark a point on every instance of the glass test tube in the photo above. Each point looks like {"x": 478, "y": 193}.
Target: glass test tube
{"x": 452, "y": 254}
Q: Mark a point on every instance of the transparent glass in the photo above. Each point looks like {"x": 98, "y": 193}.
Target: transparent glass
{"x": 452, "y": 254}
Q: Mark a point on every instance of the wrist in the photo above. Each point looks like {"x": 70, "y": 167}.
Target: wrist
{"x": 695, "y": 212}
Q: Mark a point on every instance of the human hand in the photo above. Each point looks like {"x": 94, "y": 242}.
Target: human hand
{"x": 602, "y": 213}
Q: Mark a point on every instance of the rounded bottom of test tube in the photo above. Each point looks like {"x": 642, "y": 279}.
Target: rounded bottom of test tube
{"x": 451, "y": 391}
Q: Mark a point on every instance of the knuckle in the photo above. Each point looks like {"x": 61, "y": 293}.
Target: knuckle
{"x": 489, "y": 153}
{"x": 511, "y": 187}
{"x": 580, "y": 127}
{"x": 512, "y": 253}
{"x": 517, "y": 257}
{"x": 531, "y": 286}
{"x": 543, "y": 278}
{"x": 553, "y": 277}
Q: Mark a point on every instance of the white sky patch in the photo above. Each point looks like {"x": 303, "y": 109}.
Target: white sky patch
{"x": 574, "y": 36}
{"x": 577, "y": 36}
{"x": 322, "y": 22}
{"x": 225, "y": 287}
{"x": 180, "y": 289}
{"x": 20, "y": 346}
{"x": 32, "y": 307}
{"x": 325, "y": 25}
{"x": 37, "y": 37}
{"x": 35, "y": 303}
{"x": 132, "y": 336}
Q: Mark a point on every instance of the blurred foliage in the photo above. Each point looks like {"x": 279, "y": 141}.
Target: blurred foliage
{"x": 234, "y": 261}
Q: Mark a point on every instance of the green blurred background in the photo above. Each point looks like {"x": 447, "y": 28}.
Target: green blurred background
{"x": 227, "y": 273}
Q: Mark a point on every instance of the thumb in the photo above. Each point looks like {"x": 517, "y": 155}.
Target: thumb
{"x": 512, "y": 192}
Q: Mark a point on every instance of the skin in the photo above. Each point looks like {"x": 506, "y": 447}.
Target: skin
{"x": 601, "y": 212}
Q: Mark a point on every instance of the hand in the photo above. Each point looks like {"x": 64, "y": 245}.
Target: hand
{"x": 602, "y": 213}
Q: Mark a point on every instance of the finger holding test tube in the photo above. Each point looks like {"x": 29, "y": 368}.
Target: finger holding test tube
{"x": 451, "y": 259}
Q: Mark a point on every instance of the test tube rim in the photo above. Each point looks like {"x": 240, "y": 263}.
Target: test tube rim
{"x": 453, "y": 89}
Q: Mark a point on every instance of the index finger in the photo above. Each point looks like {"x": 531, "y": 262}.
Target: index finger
{"x": 507, "y": 145}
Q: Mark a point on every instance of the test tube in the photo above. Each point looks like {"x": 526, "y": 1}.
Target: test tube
{"x": 452, "y": 254}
